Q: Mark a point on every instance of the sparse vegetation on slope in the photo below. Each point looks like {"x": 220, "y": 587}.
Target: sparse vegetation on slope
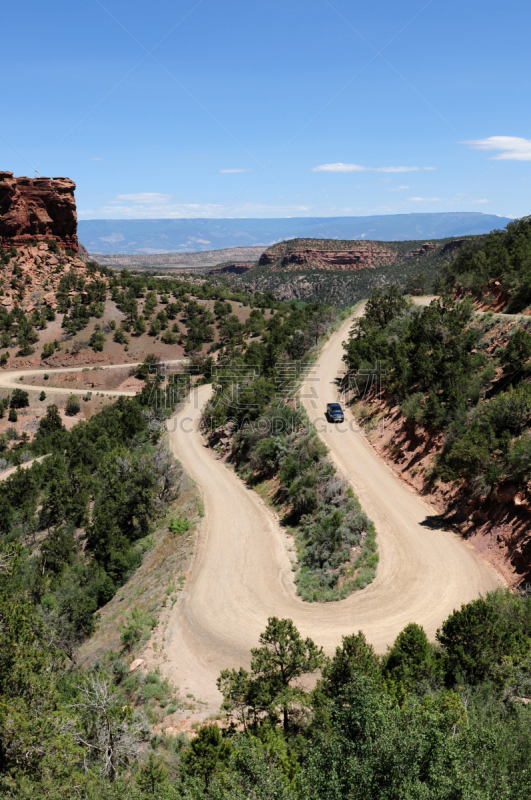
{"x": 294, "y": 270}
{"x": 496, "y": 269}
{"x": 59, "y": 307}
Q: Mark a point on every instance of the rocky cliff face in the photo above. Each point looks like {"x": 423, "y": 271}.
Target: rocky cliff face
{"x": 32, "y": 209}
{"x": 305, "y": 254}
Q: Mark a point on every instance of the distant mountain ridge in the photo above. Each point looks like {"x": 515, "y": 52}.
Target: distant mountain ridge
{"x": 152, "y": 236}
{"x": 179, "y": 261}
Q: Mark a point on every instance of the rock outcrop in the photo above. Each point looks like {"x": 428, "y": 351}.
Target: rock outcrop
{"x": 83, "y": 253}
{"x": 327, "y": 255}
{"x": 235, "y": 269}
{"x": 455, "y": 244}
{"x": 427, "y": 247}
{"x": 33, "y": 209}
{"x": 30, "y": 275}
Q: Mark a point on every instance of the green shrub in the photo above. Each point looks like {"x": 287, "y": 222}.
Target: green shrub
{"x": 169, "y": 337}
{"x": 73, "y": 405}
{"x": 19, "y": 399}
{"x": 411, "y": 407}
{"x": 97, "y": 341}
{"x": 156, "y": 688}
{"x": 178, "y": 525}
{"x": 119, "y": 336}
{"x": 138, "y": 625}
{"x": 518, "y": 350}
{"x": 48, "y": 350}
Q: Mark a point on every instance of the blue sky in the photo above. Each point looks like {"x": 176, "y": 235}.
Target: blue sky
{"x": 270, "y": 108}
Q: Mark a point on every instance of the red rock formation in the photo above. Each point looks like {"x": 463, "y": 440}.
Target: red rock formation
{"x": 364, "y": 255}
{"x": 34, "y": 208}
{"x": 338, "y": 259}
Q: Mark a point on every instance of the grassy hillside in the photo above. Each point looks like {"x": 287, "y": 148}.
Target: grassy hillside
{"x": 94, "y": 315}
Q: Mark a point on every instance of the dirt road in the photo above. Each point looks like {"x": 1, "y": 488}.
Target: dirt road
{"x": 26, "y": 465}
{"x": 11, "y": 380}
{"x": 242, "y": 573}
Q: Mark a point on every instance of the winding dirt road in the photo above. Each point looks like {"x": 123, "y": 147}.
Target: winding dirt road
{"x": 242, "y": 568}
{"x": 12, "y": 379}
{"x": 242, "y": 574}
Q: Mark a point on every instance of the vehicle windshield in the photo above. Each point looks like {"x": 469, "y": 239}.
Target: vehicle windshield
{"x": 335, "y": 407}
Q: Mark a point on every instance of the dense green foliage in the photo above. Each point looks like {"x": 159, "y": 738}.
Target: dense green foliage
{"x": 80, "y": 513}
{"x": 435, "y": 362}
{"x": 503, "y": 256}
{"x": 248, "y": 378}
{"x": 443, "y": 721}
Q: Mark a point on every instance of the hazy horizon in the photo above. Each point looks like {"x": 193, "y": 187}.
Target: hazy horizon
{"x": 152, "y": 236}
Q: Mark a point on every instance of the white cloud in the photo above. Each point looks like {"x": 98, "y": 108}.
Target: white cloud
{"x": 397, "y": 188}
{"x": 446, "y": 200}
{"x": 114, "y": 238}
{"x": 259, "y": 208}
{"x": 148, "y": 198}
{"x": 156, "y": 205}
{"x": 228, "y": 171}
{"x": 96, "y": 158}
{"x": 513, "y": 148}
{"x": 339, "y": 167}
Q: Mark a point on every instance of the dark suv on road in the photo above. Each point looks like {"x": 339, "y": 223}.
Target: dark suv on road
{"x": 334, "y": 412}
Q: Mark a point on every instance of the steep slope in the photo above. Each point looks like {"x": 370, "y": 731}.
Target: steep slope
{"x": 452, "y": 414}
{"x": 495, "y": 269}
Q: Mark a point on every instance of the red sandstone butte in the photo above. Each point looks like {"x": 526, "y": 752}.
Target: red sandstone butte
{"x": 32, "y": 209}
{"x": 347, "y": 256}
